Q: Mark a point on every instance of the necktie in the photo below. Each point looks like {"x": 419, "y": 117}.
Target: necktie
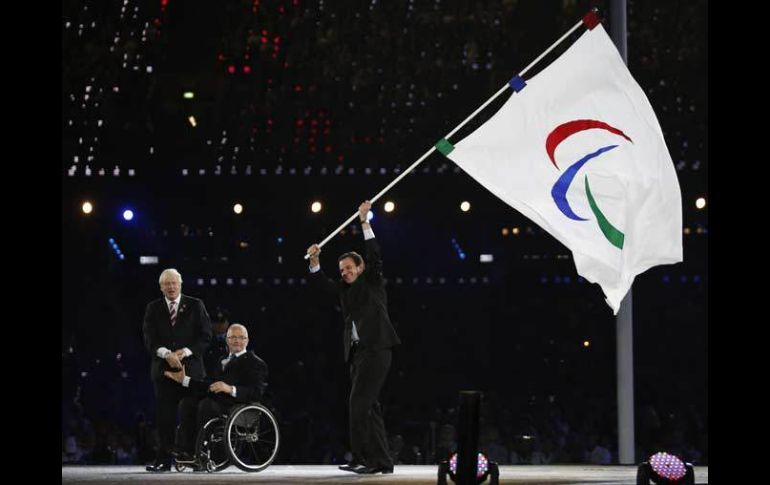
{"x": 172, "y": 312}
{"x": 227, "y": 361}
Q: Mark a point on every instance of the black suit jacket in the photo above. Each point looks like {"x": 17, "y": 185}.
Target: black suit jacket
{"x": 192, "y": 330}
{"x": 248, "y": 373}
{"x": 364, "y": 302}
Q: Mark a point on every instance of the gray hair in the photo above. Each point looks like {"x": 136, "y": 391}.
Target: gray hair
{"x": 170, "y": 272}
{"x": 238, "y": 325}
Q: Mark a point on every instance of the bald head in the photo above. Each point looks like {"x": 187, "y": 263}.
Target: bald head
{"x": 237, "y": 338}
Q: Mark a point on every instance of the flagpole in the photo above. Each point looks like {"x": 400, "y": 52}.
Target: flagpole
{"x": 624, "y": 322}
{"x": 455, "y": 130}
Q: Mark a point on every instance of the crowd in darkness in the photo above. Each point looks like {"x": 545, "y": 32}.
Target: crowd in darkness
{"x": 338, "y": 86}
{"x": 359, "y": 85}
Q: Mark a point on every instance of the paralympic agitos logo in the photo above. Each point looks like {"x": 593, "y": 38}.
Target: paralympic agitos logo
{"x": 559, "y": 190}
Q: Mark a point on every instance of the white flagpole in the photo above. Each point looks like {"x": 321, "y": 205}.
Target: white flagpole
{"x": 433, "y": 148}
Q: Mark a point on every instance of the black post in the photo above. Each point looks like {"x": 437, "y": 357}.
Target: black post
{"x": 468, "y": 436}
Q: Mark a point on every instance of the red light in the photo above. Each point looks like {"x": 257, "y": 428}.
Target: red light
{"x": 263, "y": 39}
{"x": 247, "y": 69}
{"x": 300, "y": 123}
{"x": 269, "y": 122}
{"x": 340, "y": 158}
{"x": 220, "y": 57}
{"x": 328, "y": 148}
{"x": 163, "y": 3}
{"x": 264, "y": 32}
{"x": 231, "y": 69}
{"x": 277, "y": 39}
{"x": 298, "y": 88}
{"x": 280, "y": 9}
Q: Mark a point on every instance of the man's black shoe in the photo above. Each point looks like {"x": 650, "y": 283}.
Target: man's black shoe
{"x": 159, "y": 466}
{"x": 371, "y": 470}
{"x": 351, "y": 467}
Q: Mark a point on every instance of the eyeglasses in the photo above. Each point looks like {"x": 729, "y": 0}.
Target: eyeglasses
{"x": 237, "y": 337}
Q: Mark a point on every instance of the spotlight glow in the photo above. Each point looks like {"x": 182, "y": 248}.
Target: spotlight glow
{"x": 87, "y": 207}
{"x": 668, "y": 466}
{"x": 315, "y": 207}
{"x": 482, "y": 466}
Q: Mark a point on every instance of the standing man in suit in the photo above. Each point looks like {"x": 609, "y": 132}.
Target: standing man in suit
{"x": 368, "y": 339}
{"x": 241, "y": 378}
{"x": 177, "y": 331}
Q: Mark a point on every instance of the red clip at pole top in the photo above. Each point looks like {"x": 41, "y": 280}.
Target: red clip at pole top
{"x": 591, "y": 20}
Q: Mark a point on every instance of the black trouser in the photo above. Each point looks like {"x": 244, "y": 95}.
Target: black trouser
{"x": 168, "y": 394}
{"x": 368, "y": 438}
{"x": 194, "y": 413}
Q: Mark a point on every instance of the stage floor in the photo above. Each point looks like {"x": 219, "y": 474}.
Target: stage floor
{"x": 328, "y": 474}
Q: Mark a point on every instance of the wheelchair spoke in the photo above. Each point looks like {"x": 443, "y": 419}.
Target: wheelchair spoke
{"x": 210, "y": 449}
{"x": 253, "y": 437}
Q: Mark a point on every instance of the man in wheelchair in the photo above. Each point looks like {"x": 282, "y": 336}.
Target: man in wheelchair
{"x": 241, "y": 379}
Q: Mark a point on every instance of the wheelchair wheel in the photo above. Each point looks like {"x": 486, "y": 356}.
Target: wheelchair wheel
{"x": 210, "y": 447}
{"x": 252, "y": 437}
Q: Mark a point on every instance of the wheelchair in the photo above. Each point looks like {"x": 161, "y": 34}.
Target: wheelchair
{"x": 248, "y": 437}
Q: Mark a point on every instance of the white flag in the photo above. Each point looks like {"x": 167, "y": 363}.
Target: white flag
{"x": 579, "y": 151}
